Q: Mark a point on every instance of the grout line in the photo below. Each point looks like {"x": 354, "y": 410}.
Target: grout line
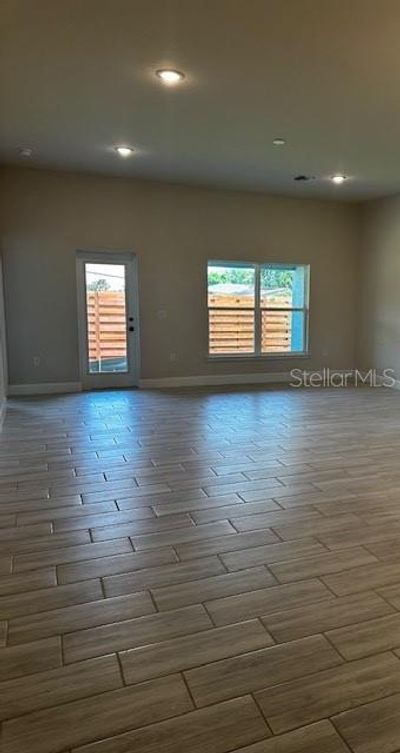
{"x": 219, "y": 557}
{"x": 272, "y": 574}
{"x": 320, "y": 578}
{"x": 376, "y": 591}
{"x": 326, "y": 548}
{"x": 63, "y": 664}
{"x": 281, "y": 540}
{"x": 182, "y": 674}
{"x": 150, "y": 592}
{"x": 338, "y": 732}
{"x": 117, "y": 653}
{"x": 214, "y": 624}
{"x": 335, "y": 648}
{"x": 252, "y": 694}
{"x": 175, "y": 551}
{"x": 268, "y": 632}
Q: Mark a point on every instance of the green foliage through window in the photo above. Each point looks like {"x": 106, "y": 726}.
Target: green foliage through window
{"x": 270, "y": 278}
{"x": 99, "y": 286}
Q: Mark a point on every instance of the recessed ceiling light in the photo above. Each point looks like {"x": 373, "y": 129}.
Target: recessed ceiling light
{"x": 124, "y": 151}
{"x": 338, "y": 179}
{"x": 25, "y": 151}
{"x": 169, "y": 76}
{"x": 279, "y": 141}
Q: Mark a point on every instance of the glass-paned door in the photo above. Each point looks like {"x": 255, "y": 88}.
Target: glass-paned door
{"x": 107, "y": 297}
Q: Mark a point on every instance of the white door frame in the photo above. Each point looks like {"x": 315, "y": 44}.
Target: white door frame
{"x": 114, "y": 379}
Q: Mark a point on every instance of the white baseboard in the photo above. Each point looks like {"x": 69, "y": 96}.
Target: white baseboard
{"x": 161, "y": 382}
{"x": 51, "y": 388}
{"x": 205, "y": 380}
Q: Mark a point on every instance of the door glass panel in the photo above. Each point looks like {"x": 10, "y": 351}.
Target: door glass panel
{"x": 106, "y": 318}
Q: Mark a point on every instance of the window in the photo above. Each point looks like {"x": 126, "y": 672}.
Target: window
{"x": 257, "y": 309}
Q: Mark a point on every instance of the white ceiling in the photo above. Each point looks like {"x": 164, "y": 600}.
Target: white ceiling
{"x": 77, "y": 77}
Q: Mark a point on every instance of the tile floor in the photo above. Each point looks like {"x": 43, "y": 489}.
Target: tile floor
{"x": 201, "y": 571}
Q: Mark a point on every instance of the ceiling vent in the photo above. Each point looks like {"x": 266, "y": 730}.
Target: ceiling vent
{"x": 303, "y": 178}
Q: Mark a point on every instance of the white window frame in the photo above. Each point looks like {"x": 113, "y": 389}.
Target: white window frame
{"x": 305, "y": 309}
{"x": 111, "y": 380}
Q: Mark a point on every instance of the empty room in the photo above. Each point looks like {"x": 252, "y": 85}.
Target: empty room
{"x": 199, "y": 376}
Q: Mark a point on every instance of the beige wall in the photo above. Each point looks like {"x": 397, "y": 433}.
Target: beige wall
{"x": 379, "y": 313}
{"x": 173, "y": 230}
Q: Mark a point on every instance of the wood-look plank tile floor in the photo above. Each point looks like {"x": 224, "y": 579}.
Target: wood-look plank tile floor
{"x": 210, "y": 571}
